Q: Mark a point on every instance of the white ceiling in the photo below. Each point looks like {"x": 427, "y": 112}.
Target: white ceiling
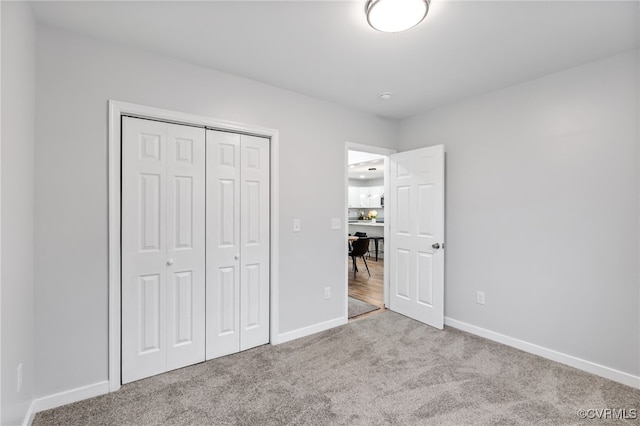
{"x": 355, "y": 157}
{"x": 325, "y": 49}
{"x": 360, "y": 164}
{"x": 362, "y": 171}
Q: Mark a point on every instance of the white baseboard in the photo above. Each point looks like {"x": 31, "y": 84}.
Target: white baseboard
{"x": 307, "y": 331}
{"x": 31, "y": 414}
{"x": 572, "y": 361}
{"x": 67, "y": 397}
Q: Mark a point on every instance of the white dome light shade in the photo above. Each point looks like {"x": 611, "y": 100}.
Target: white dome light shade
{"x": 392, "y": 16}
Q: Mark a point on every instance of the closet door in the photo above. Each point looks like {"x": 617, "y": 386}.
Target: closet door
{"x": 223, "y": 243}
{"x": 254, "y": 237}
{"x": 237, "y": 242}
{"x": 162, "y": 247}
{"x": 185, "y": 246}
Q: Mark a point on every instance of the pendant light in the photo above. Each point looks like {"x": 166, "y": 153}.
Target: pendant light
{"x": 392, "y": 16}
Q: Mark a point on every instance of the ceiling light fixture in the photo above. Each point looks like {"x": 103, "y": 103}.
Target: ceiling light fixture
{"x": 392, "y": 16}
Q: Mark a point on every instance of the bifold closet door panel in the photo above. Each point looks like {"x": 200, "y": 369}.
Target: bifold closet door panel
{"x": 223, "y": 243}
{"x": 144, "y": 236}
{"x": 254, "y": 236}
{"x": 237, "y": 242}
{"x": 163, "y": 264}
{"x": 185, "y": 246}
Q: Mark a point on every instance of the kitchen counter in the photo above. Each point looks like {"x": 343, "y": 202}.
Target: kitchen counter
{"x": 371, "y": 229}
{"x": 365, "y": 223}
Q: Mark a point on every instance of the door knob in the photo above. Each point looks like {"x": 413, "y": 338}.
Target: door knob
{"x": 236, "y": 257}
{"x": 169, "y": 262}
{"x": 435, "y": 246}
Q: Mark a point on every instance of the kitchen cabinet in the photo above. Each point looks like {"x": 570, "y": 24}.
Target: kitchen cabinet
{"x": 354, "y": 196}
{"x": 375, "y": 196}
{"x": 365, "y": 196}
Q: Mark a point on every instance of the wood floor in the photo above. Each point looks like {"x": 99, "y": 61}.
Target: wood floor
{"x": 365, "y": 288}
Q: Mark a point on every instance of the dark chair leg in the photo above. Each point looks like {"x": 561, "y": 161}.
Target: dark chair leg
{"x": 355, "y": 269}
{"x": 376, "y": 244}
{"x": 365, "y": 264}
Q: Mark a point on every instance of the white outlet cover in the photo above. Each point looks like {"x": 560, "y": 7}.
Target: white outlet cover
{"x": 335, "y": 223}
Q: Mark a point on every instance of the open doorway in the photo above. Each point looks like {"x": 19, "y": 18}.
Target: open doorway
{"x": 413, "y": 223}
{"x": 366, "y": 177}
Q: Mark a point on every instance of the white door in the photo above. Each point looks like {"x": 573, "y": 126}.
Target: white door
{"x": 416, "y": 218}
{"x": 223, "y": 243}
{"x": 163, "y": 263}
{"x": 237, "y": 242}
{"x": 254, "y": 240}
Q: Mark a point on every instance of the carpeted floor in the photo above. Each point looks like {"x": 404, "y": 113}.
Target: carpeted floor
{"x": 385, "y": 369}
{"x": 358, "y": 307}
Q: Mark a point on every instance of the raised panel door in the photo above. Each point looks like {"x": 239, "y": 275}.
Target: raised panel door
{"x": 238, "y": 242}
{"x": 254, "y": 236}
{"x": 144, "y": 241}
{"x": 416, "y": 209}
{"x": 223, "y": 243}
{"x": 162, "y": 247}
{"x": 185, "y": 246}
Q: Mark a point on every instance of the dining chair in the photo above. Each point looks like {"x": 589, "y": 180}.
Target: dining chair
{"x": 359, "y": 248}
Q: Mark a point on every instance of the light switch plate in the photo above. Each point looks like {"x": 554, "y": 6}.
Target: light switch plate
{"x": 296, "y": 225}
{"x": 335, "y": 223}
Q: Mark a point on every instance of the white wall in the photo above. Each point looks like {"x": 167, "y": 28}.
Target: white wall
{"x": 542, "y": 210}
{"x": 18, "y": 109}
{"x": 75, "y": 78}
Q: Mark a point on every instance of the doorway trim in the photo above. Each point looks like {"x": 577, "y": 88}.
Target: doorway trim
{"x": 351, "y": 146}
{"x": 116, "y": 110}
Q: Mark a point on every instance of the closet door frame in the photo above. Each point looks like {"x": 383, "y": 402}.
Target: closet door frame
{"x": 117, "y": 109}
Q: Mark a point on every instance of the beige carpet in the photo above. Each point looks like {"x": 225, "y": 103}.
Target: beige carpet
{"x": 385, "y": 369}
{"x": 358, "y": 307}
